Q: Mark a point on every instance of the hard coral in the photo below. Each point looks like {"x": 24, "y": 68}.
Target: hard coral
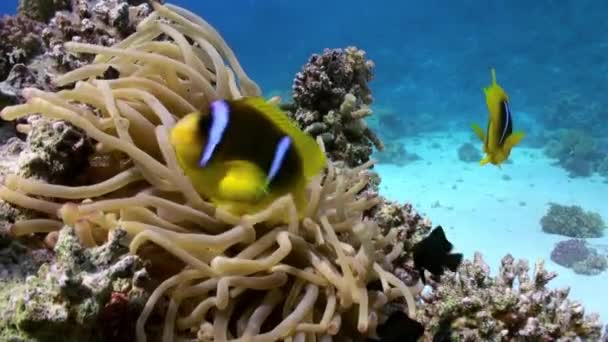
{"x": 576, "y": 152}
{"x": 101, "y": 22}
{"x": 331, "y": 101}
{"x": 42, "y": 10}
{"x": 594, "y": 264}
{"x": 395, "y": 153}
{"x": 572, "y": 221}
{"x": 66, "y": 297}
{"x": 569, "y": 252}
{"x": 326, "y": 79}
{"x": 57, "y": 152}
{"x": 471, "y": 305}
{"x": 575, "y": 111}
{"x": 20, "y": 37}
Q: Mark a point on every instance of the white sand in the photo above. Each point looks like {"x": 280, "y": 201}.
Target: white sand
{"x": 481, "y": 211}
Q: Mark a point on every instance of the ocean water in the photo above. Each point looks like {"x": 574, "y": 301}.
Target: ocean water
{"x": 432, "y": 59}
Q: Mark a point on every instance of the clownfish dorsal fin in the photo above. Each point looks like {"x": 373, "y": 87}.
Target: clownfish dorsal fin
{"x": 493, "y": 71}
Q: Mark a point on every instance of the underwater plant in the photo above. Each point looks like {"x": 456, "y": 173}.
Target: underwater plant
{"x": 572, "y": 221}
{"x": 238, "y": 277}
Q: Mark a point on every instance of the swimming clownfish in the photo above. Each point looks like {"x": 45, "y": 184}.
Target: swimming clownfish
{"x": 243, "y": 154}
{"x": 499, "y": 138}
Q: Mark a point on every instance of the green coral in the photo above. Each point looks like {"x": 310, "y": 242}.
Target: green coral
{"x": 67, "y": 297}
{"x": 572, "y": 221}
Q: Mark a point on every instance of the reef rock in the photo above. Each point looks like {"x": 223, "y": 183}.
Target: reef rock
{"x": 332, "y": 98}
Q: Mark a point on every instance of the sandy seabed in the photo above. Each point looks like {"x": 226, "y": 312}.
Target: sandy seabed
{"x": 498, "y": 210}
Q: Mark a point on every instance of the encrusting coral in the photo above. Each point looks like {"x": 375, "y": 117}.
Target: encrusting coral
{"x": 309, "y": 277}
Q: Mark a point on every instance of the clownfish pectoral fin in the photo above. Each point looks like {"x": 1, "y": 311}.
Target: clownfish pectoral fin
{"x": 478, "y": 131}
{"x": 513, "y": 140}
{"x": 485, "y": 160}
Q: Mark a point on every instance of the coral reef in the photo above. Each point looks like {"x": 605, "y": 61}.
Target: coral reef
{"x": 471, "y": 305}
{"x": 579, "y": 256}
{"x": 575, "y": 111}
{"x": 569, "y": 252}
{"x": 592, "y": 265}
{"x": 20, "y": 37}
{"x": 66, "y": 297}
{"x": 326, "y": 79}
{"x": 331, "y": 100}
{"x": 341, "y": 272}
{"x": 572, "y": 221}
{"x": 576, "y": 152}
{"x": 42, "y": 10}
{"x": 469, "y": 153}
{"x": 101, "y": 22}
{"x": 57, "y": 152}
{"x": 395, "y": 153}
{"x": 310, "y": 277}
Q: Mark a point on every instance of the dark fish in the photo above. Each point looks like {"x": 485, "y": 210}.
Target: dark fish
{"x": 433, "y": 254}
{"x": 399, "y": 328}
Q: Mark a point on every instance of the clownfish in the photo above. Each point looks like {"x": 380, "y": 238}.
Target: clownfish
{"x": 499, "y": 138}
{"x": 243, "y": 154}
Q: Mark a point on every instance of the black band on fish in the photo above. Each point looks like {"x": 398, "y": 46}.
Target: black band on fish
{"x": 507, "y": 124}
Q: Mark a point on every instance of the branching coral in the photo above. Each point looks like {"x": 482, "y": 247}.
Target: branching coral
{"x": 243, "y": 279}
{"x": 470, "y": 305}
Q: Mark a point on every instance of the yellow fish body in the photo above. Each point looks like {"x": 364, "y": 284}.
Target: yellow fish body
{"x": 499, "y": 138}
{"x": 243, "y": 154}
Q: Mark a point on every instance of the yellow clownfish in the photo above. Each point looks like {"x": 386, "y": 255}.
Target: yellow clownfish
{"x": 244, "y": 154}
{"x": 499, "y": 138}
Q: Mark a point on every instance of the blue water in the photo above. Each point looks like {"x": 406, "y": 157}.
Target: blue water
{"x": 433, "y": 56}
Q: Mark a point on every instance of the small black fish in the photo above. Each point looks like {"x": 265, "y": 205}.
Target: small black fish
{"x": 399, "y": 328}
{"x": 433, "y": 254}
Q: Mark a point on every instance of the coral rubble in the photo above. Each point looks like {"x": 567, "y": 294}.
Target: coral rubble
{"x": 572, "y": 221}
{"x": 331, "y": 100}
{"x": 471, "y": 305}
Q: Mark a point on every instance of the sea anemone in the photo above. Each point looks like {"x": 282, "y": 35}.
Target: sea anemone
{"x": 242, "y": 278}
